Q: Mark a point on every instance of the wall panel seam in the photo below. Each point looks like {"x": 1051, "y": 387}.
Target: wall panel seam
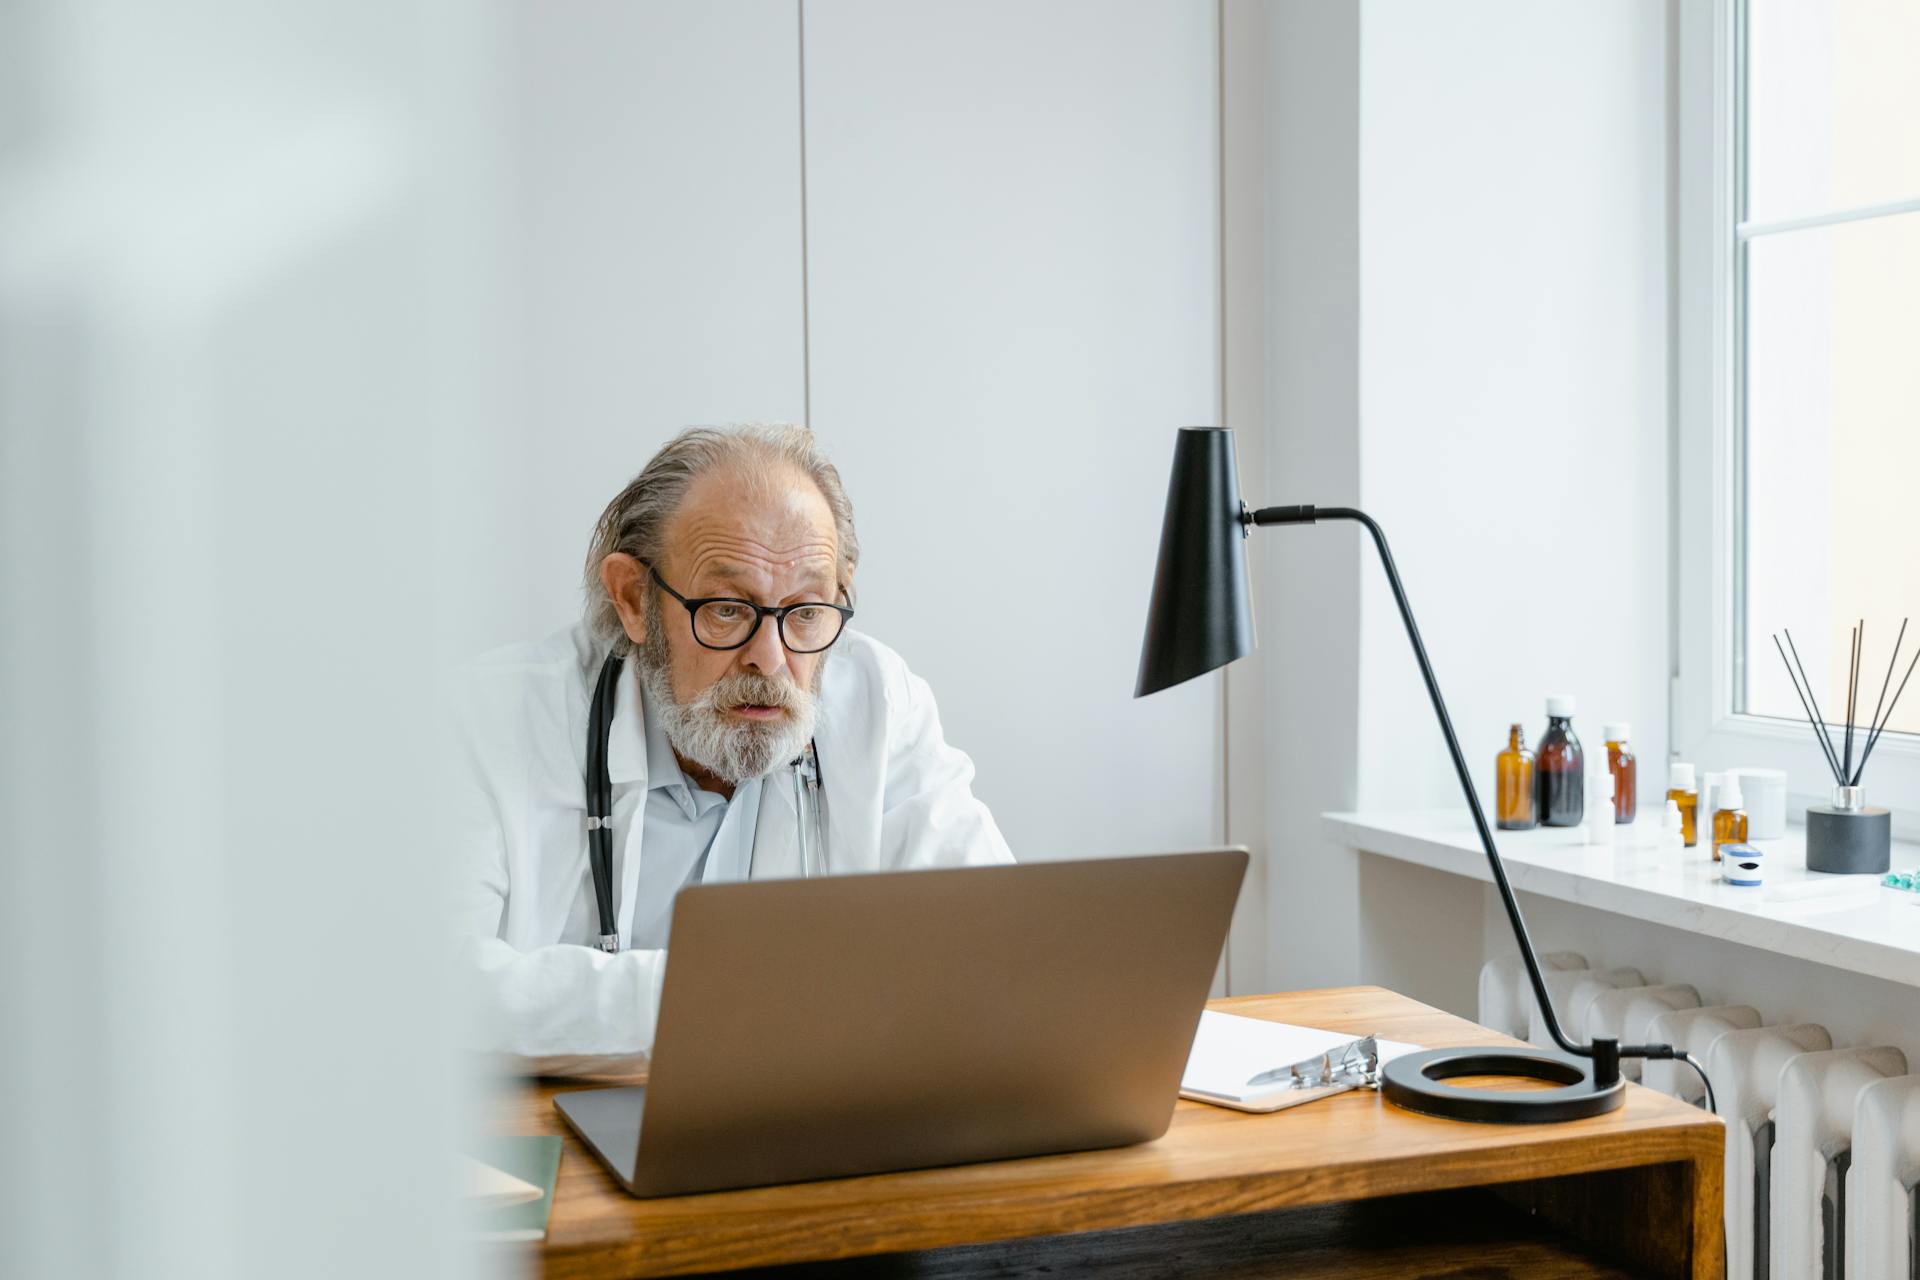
{"x": 806, "y": 308}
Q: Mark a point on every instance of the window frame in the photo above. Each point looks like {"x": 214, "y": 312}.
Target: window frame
{"x": 1708, "y": 487}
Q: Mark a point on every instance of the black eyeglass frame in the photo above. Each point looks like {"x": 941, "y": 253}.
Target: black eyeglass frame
{"x": 761, "y": 613}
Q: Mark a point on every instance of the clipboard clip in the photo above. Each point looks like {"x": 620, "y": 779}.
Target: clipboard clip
{"x": 1355, "y": 1064}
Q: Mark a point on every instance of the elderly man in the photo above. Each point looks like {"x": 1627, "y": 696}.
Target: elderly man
{"x": 711, "y": 718}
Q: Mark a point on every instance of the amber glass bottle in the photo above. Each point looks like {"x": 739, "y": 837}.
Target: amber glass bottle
{"x": 1559, "y": 773}
{"x": 1682, "y": 791}
{"x": 1625, "y": 771}
{"x": 1513, "y": 785}
{"x": 1729, "y": 819}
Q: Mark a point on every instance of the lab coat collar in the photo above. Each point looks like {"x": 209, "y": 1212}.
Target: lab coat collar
{"x": 630, "y": 755}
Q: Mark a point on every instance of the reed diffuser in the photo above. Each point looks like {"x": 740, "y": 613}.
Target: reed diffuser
{"x": 1846, "y": 836}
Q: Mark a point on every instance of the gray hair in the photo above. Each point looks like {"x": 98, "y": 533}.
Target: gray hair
{"x": 635, "y": 522}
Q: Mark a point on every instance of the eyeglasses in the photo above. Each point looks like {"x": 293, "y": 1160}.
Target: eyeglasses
{"x": 722, "y": 622}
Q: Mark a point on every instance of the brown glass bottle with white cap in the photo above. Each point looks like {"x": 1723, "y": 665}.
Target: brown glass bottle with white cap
{"x": 1625, "y": 770}
{"x": 1559, "y": 772}
{"x": 1682, "y": 791}
{"x": 1729, "y": 814}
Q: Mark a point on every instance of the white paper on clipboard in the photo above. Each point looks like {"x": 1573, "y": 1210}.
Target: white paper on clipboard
{"x": 1228, "y": 1050}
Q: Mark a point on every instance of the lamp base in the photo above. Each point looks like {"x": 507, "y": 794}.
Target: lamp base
{"x": 1414, "y": 1081}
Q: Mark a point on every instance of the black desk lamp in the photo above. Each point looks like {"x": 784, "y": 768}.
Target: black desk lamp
{"x": 1201, "y": 619}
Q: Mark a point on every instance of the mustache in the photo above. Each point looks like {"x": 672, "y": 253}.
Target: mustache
{"x": 747, "y": 688}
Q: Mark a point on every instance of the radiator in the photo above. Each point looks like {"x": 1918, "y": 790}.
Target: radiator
{"x": 1812, "y": 1149}
{"x": 1506, "y": 997}
{"x": 1573, "y": 992}
{"x": 1745, "y": 1067}
{"x": 1823, "y": 1143}
{"x": 1883, "y": 1187}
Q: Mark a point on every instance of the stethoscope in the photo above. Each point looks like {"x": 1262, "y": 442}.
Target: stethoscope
{"x": 806, "y": 796}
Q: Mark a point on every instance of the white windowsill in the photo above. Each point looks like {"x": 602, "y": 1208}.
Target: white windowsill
{"x": 1849, "y": 922}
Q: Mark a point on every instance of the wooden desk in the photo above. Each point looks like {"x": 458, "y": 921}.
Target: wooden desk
{"x": 1347, "y": 1186}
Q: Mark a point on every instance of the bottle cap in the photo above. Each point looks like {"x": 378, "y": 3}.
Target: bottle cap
{"x": 1600, "y": 784}
{"x": 1671, "y": 819}
{"x": 1560, "y": 705}
{"x": 1727, "y": 791}
{"x": 1680, "y": 777}
{"x": 1616, "y": 731}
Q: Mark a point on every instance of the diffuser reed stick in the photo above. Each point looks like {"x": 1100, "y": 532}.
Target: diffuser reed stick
{"x": 1846, "y": 773}
{"x": 1875, "y": 735}
{"x": 1819, "y": 720}
{"x": 1813, "y": 717}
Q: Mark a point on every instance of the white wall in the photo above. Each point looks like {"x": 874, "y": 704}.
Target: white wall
{"x": 1513, "y": 384}
{"x": 656, "y": 251}
{"x": 1509, "y": 363}
{"x": 1013, "y": 247}
{"x": 1307, "y": 579}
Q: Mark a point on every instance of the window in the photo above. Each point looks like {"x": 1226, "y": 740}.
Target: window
{"x": 1807, "y": 247}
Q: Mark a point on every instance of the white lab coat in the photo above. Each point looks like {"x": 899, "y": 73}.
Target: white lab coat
{"x": 896, "y": 796}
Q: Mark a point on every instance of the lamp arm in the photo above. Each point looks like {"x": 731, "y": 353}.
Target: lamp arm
{"x": 1309, "y": 515}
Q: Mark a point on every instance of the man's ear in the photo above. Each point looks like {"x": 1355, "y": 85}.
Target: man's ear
{"x": 625, "y": 581}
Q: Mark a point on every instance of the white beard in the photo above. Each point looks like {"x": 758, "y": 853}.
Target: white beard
{"x": 730, "y": 749}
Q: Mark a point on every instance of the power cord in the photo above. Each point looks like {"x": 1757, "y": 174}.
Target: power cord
{"x": 1700, "y": 1071}
{"x": 1656, "y": 1052}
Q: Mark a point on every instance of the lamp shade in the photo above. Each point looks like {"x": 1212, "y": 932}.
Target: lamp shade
{"x": 1201, "y": 615}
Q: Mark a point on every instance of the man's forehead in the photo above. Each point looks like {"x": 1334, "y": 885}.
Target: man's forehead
{"x": 743, "y": 542}
{"x": 814, "y": 565}
{"x": 742, "y": 529}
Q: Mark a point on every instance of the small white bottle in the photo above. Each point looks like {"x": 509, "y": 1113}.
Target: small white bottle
{"x": 1599, "y": 820}
{"x": 1673, "y": 836}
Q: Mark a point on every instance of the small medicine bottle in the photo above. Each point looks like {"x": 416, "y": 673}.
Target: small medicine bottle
{"x": 1671, "y": 840}
{"x": 1729, "y": 819}
{"x": 1625, "y": 771}
{"x": 1559, "y": 774}
{"x": 1600, "y": 821}
{"x": 1682, "y": 790}
{"x": 1513, "y": 785}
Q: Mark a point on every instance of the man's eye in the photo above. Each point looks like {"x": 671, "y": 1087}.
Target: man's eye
{"x": 806, "y": 615}
{"x": 727, "y": 612}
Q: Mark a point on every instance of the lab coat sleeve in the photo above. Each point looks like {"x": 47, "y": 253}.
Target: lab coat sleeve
{"x": 545, "y": 1010}
{"x": 930, "y": 816}
{"x": 565, "y": 1010}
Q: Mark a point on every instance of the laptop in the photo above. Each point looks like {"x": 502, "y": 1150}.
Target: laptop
{"x": 858, "y": 1024}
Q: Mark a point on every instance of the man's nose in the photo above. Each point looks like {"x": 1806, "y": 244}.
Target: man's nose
{"x": 764, "y": 653}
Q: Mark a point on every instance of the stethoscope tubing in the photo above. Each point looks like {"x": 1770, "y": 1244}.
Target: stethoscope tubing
{"x": 600, "y": 801}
